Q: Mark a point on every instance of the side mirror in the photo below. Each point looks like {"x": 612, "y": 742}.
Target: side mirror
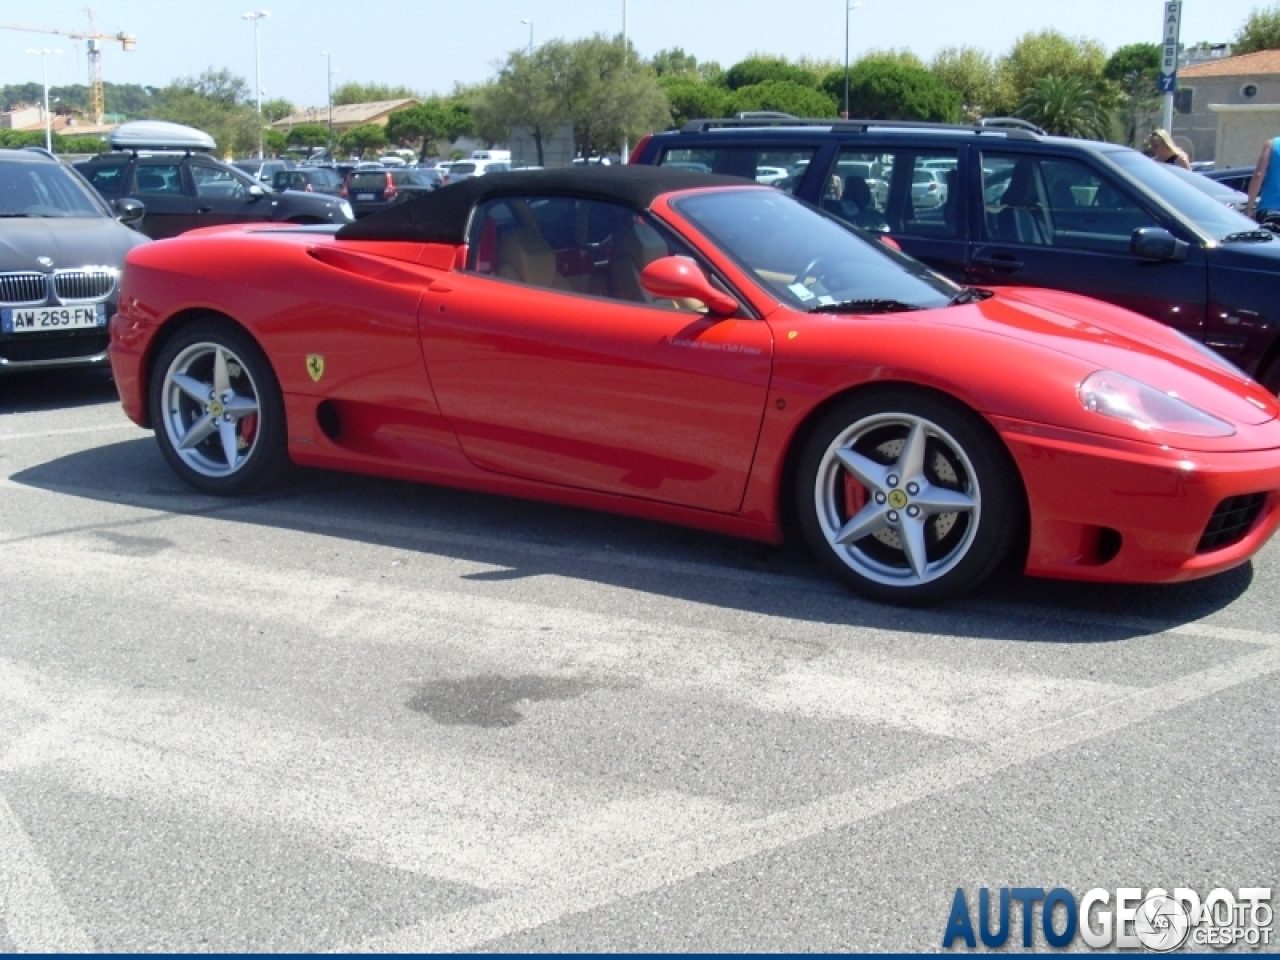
{"x": 679, "y": 278}
{"x": 129, "y": 211}
{"x": 256, "y": 190}
{"x": 1156, "y": 243}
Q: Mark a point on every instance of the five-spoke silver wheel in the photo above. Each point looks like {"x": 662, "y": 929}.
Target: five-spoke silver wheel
{"x": 908, "y": 496}
{"x": 898, "y": 499}
{"x": 217, "y": 409}
{"x": 210, "y": 406}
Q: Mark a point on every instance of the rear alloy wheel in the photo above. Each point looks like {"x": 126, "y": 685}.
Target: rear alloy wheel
{"x": 217, "y": 410}
{"x": 907, "y": 497}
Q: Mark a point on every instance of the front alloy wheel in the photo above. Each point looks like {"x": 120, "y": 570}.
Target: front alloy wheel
{"x": 217, "y": 411}
{"x": 909, "y": 498}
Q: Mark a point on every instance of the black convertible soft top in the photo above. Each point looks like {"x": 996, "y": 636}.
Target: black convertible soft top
{"x": 441, "y": 216}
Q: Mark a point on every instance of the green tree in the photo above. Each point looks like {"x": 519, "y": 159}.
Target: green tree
{"x": 972, "y": 74}
{"x": 691, "y": 99}
{"x": 277, "y": 109}
{"x": 606, "y": 91}
{"x": 891, "y": 55}
{"x": 884, "y": 90}
{"x": 784, "y": 95}
{"x": 370, "y": 93}
{"x": 358, "y": 140}
{"x": 1261, "y": 31}
{"x": 759, "y": 69}
{"x": 1135, "y": 71}
{"x": 674, "y": 63}
{"x": 1050, "y": 53}
{"x": 214, "y": 102}
{"x": 309, "y": 135}
{"x": 424, "y": 123}
{"x": 1067, "y": 107}
{"x": 274, "y": 142}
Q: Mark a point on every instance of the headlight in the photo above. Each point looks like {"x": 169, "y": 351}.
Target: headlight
{"x": 1114, "y": 395}
{"x": 346, "y": 210}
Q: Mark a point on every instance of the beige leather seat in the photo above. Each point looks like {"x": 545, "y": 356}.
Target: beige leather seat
{"x": 525, "y": 256}
{"x": 635, "y": 246}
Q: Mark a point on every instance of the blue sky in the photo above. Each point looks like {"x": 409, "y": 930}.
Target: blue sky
{"x": 430, "y": 44}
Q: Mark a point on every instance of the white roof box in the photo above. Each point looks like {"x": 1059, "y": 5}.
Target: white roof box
{"x": 159, "y": 135}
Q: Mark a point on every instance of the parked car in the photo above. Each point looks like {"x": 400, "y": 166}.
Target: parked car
{"x": 1237, "y": 178}
{"x": 309, "y": 180}
{"x": 372, "y": 190}
{"x": 1026, "y": 209}
{"x": 1224, "y": 194}
{"x": 464, "y": 169}
{"x": 706, "y": 351}
{"x": 167, "y": 166}
{"x": 61, "y": 252}
{"x": 264, "y": 170}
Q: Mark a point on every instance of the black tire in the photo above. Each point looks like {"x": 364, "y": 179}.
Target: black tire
{"x": 212, "y": 423}
{"x": 896, "y": 458}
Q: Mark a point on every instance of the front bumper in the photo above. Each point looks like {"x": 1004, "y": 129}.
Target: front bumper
{"x": 1113, "y": 510}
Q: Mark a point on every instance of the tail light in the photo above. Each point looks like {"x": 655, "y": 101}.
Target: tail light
{"x": 644, "y": 142}
{"x": 390, "y": 193}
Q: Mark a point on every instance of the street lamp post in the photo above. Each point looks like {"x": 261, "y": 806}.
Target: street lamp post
{"x": 44, "y": 53}
{"x": 626, "y": 57}
{"x": 329, "y": 72}
{"x": 255, "y": 16}
{"x": 529, "y": 24}
{"x": 847, "y": 8}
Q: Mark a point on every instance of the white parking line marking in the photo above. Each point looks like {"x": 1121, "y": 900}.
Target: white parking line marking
{"x": 671, "y": 864}
{"x": 34, "y": 913}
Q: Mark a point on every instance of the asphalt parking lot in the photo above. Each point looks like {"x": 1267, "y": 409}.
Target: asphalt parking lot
{"x": 367, "y": 715}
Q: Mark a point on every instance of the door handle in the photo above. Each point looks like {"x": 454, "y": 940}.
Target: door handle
{"x": 204, "y": 209}
{"x": 1005, "y": 262}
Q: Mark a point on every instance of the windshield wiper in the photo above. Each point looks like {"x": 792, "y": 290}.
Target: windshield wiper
{"x": 865, "y": 306}
{"x": 971, "y": 295}
{"x": 1249, "y": 236}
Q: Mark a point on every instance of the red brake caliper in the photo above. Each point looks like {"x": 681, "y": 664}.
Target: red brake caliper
{"x": 248, "y": 429}
{"x": 855, "y": 494}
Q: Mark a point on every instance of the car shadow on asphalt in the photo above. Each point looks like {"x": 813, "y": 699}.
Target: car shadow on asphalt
{"x": 27, "y": 391}
{"x": 518, "y": 539}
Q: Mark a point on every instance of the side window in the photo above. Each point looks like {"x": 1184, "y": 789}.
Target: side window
{"x": 107, "y": 180}
{"x": 779, "y": 168}
{"x": 570, "y": 245}
{"x": 216, "y": 182}
{"x": 1057, "y": 202}
{"x": 910, "y": 193}
{"x": 159, "y": 179}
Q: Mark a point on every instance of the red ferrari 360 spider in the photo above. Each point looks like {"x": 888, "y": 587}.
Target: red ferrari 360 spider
{"x": 703, "y": 351}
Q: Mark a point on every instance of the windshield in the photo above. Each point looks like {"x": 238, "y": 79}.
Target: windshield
{"x": 807, "y": 259}
{"x": 43, "y": 190}
{"x": 1212, "y": 216}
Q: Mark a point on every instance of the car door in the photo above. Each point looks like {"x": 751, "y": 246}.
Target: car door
{"x": 1059, "y": 222}
{"x": 161, "y": 184}
{"x": 224, "y": 195}
{"x": 552, "y": 363}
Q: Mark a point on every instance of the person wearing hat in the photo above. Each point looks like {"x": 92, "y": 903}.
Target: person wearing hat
{"x": 1264, "y": 185}
{"x": 1165, "y": 150}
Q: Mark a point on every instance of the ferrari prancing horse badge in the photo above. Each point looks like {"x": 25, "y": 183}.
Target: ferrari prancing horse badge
{"x": 315, "y": 366}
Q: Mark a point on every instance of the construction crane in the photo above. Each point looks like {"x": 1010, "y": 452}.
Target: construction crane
{"x": 93, "y": 46}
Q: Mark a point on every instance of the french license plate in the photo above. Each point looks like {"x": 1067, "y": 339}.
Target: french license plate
{"x": 364, "y": 196}
{"x": 45, "y": 319}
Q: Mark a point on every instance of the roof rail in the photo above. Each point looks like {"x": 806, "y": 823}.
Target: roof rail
{"x": 1014, "y": 123}
{"x": 1013, "y": 128}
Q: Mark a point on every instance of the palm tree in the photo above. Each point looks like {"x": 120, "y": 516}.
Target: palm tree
{"x": 1067, "y": 107}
